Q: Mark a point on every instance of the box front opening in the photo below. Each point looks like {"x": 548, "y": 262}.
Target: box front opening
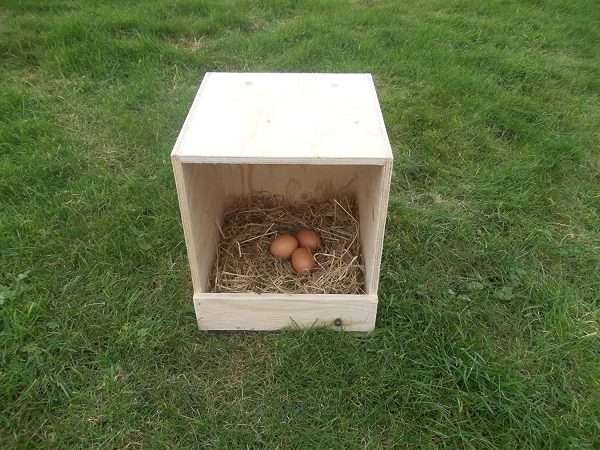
{"x": 244, "y": 262}
{"x": 209, "y": 187}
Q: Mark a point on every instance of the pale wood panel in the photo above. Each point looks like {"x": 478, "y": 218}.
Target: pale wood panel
{"x": 331, "y": 161}
{"x": 184, "y": 209}
{"x": 384, "y": 194}
{"x": 285, "y": 117}
{"x": 276, "y": 311}
{"x": 368, "y": 213}
{"x": 297, "y": 183}
{"x": 201, "y": 203}
{"x": 372, "y": 197}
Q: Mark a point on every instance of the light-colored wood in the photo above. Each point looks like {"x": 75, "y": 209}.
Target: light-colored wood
{"x": 386, "y": 181}
{"x": 273, "y": 118}
{"x": 276, "y": 311}
{"x": 368, "y": 213}
{"x": 295, "y": 182}
{"x": 184, "y": 209}
{"x": 372, "y": 197}
{"x": 201, "y": 202}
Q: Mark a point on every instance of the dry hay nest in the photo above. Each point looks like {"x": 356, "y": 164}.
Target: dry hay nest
{"x": 244, "y": 263}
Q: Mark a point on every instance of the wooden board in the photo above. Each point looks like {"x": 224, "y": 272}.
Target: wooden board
{"x": 276, "y": 311}
{"x": 273, "y": 118}
{"x": 372, "y": 193}
{"x": 201, "y": 204}
{"x": 295, "y": 182}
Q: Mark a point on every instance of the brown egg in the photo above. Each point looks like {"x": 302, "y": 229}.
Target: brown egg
{"x": 308, "y": 239}
{"x": 302, "y": 260}
{"x": 283, "y": 246}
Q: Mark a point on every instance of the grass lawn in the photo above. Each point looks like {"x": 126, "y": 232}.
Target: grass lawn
{"x": 487, "y": 334}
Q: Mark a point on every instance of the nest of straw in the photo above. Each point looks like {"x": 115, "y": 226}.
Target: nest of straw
{"x": 244, "y": 263}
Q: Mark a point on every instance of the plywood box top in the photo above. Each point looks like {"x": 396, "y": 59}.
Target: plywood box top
{"x": 277, "y": 118}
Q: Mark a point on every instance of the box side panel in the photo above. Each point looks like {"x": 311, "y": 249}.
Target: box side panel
{"x": 297, "y": 183}
{"x": 202, "y": 204}
{"x": 372, "y": 197}
{"x": 386, "y": 179}
{"x": 184, "y": 209}
{"x": 276, "y": 311}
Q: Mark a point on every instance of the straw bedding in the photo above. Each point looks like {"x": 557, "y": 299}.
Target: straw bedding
{"x": 244, "y": 263}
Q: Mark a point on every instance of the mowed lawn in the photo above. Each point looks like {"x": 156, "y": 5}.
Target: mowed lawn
{"x": 487, "y": 333}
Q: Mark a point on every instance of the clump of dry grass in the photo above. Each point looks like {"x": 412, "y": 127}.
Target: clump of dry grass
{"x": 244, "y": 263}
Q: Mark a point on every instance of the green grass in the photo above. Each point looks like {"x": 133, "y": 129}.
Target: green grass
{"x": 487, "y": 334}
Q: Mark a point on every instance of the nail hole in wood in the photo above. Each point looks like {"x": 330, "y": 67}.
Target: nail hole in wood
{"x": 337, "y": 322}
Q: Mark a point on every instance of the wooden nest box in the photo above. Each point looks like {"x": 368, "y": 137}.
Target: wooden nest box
{"x": 301, "y": 136}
